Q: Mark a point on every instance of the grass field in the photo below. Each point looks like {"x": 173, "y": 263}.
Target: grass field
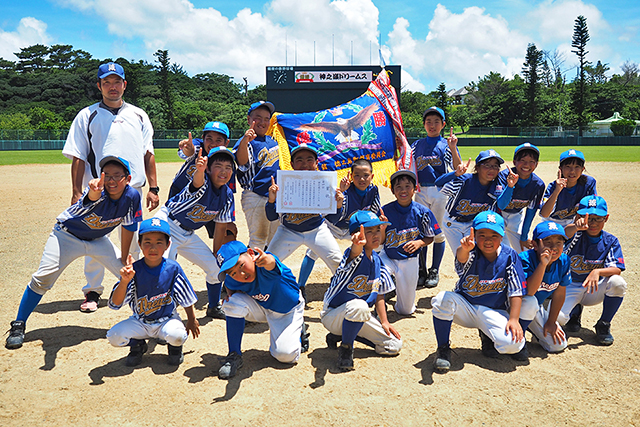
{"x": 548, "y": 154}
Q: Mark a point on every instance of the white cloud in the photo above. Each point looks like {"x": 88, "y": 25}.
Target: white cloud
{"x": 555, "y": 19}
{"x": 459, "y": 47}
{"x": 29, "y": 31}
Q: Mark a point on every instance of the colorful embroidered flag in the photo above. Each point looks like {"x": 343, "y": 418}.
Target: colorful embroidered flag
{"x": 369, "y": 127}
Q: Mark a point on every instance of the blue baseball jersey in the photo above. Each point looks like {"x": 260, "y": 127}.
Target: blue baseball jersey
{"x": 362, "y": 278}
{"x": 525, "y": 194}
{"x": 89, "y": 220}
{"x": 276, "y": 290}
{"x": 299, "y": 222}
{"x": 557, "y": 274}
{"x": 185, "y": 174}
{"x": 587, "y": 254}
{"x": 466, "y": 197}
{"x": 407, "y": 223}
{"x": 155, "y": 293}
{"x": 355, "y": 200}
{"x": 569, "y": 198}
{"x": 264, "y": 162}
{"x": 432, "y": 158}
{"x": 193, "y": 209}
{"x": 491, "y": 283}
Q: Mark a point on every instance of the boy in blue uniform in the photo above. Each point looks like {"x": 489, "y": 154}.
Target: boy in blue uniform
{"x": 153, "y": 287}
{"x": 413, "y": 226}
{"x": 82, "y": 230}
{"x": 304, "y": 228}
{"x": 360, "y": 282}
{"x": 563, "y": 195}
{"x": 258, "y": 159}
{"x": 548, "y": 273}
{"x": 488, "y": 296}
{"x": 433, "y": 156}
{"x": 207, "y": 198}
{"x": 596, "y": 264}
{"x": 359, "y": 194}
{"x": 261, "y": 289}
{"x": 522, "y": 197}
{"x": 214, "y": 134}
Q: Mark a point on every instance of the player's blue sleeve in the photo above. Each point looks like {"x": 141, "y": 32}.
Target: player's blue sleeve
{"x": 442, "y": 180}
{"x": 133, "y": 227}
{"x": 270, "y": 209}
{"x": 505, "y": 197}
{"x": 526, "y": 224}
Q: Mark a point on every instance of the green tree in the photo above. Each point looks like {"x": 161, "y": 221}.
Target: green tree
{"x": 442, "y": 99}
{"x": 166, "y": 88}
{"x": 579, "y": 43}
{"x": 32, "y": 58}
{"x": 531, "y": 71}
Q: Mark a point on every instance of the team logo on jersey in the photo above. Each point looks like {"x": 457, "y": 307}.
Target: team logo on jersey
{"x": 475, "y": 287}
{"x": 548, "y": 287}
{"x": 260, "y": 297}
{"x": 566, "y": 213}
{"x": 361, "y": 285}
{"x": 579, "y": 265}
{"x": 147, "y": 306}
{"x": 199, "y": 214}
{"x": 465, "y": 207}
{"x": 95, "y": 222}
{"x": 297, "y": 219}
{"x": 424, "y": 161}
{"x": 191, "y": 171}
{"x": 268, "y": 157}
{"x": 395, "y": 238}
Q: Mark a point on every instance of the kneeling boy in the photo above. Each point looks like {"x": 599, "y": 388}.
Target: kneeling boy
{"x": 360, "y": 282}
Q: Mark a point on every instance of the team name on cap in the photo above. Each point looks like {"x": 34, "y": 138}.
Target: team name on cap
{"x": 552, "y": 226}
{"x": 572, "y": 152}
{"x": 593, "y": 203}
{"x": 220, "y": 259}
{"x": 491, "y": 218}
{"x": 155, "y": 222}
{"x": 112, "y": 66}
{"x": 492, "y": 153}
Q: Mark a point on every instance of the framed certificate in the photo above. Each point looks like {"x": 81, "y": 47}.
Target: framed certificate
{"x": 307, "y": 192}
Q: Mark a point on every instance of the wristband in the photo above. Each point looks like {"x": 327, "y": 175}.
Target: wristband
{"x": 154, "y": 190}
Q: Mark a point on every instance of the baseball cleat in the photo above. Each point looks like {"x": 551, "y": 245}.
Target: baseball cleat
{"x": 603, "y": 333}
{"x": 231, "y": 364}
{"x": 432, "y": 278}
{"x": 216, "y": 312}
{"x": 304, "y": 338}
{"x": 91, "y": 301}
{"x": 422, "y": 279}
{"x": 488, "y": 348}
{"x": 135, "y": 354}
{"x": 443, "y": 359}
{"x": 16, "y": 335}
{"x": 345, "y": 357}
{"x": 175, "y": 355}
{"x": 574, "y": 325}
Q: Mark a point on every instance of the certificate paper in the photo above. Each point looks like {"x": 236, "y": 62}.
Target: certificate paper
{"x": 307, "y": 192}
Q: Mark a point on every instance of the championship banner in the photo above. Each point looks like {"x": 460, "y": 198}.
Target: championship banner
{"x": 368, "y": 127}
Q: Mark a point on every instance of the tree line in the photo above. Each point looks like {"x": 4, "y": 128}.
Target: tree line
{"x": 47, "y": 86}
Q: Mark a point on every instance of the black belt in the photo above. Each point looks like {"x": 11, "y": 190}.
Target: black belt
{"x": 173, "y": 218}
{"x": 62, "y": 226}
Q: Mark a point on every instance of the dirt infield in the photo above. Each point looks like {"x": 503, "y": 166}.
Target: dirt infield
{"x": 67, "y": 373}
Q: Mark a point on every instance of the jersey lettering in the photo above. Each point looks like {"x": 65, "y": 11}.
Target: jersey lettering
{"x": 466, "y": 207}
{"x": 581, "y": 266}
{"x": 424, "y": 161}
{"x": 261, "y": 297}
{"x": 517, "y": 204}
{"x": 475, "y": 287}
{"x": 199, "y": 214}
{"x": 148, "y": 306}
{"x": 566, "y": 213}
{"x": 395, "y": 239}
{"x": 361, "y": 285}
{"x": 548, "y": 287}
{"x": 268, "y": 157}
{"x": 95, "y": 222}
{"x": 297, "y": 219}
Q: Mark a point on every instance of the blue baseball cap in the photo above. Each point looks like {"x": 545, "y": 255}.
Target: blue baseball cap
{"x": 110, "y": 68}
{"x": 489, "y": 154}
{"x": 593, "y": 205}
{"x": 571, "y": 154}
{"x": 489, "y": 220}
{"x": 228, "y": 255}
{"x": 216, "y": 127}
{"x": 116, "y": 159}
{"x": 366, "y": 219}
{"x": 223, "y": 150}
{"x": 152, "y": 225}
{"x": 547, "y": 229}
{"x": 525, "y": 146}
{"x": 304, "y": 147}
{"x": 259, "y": 104}
{"x": 433, "y": 109}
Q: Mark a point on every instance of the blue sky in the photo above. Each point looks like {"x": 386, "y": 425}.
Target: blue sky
{"x": 454, "y": 42}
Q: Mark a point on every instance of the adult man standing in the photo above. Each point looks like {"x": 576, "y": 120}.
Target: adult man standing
{"x": 115, "y": 128}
